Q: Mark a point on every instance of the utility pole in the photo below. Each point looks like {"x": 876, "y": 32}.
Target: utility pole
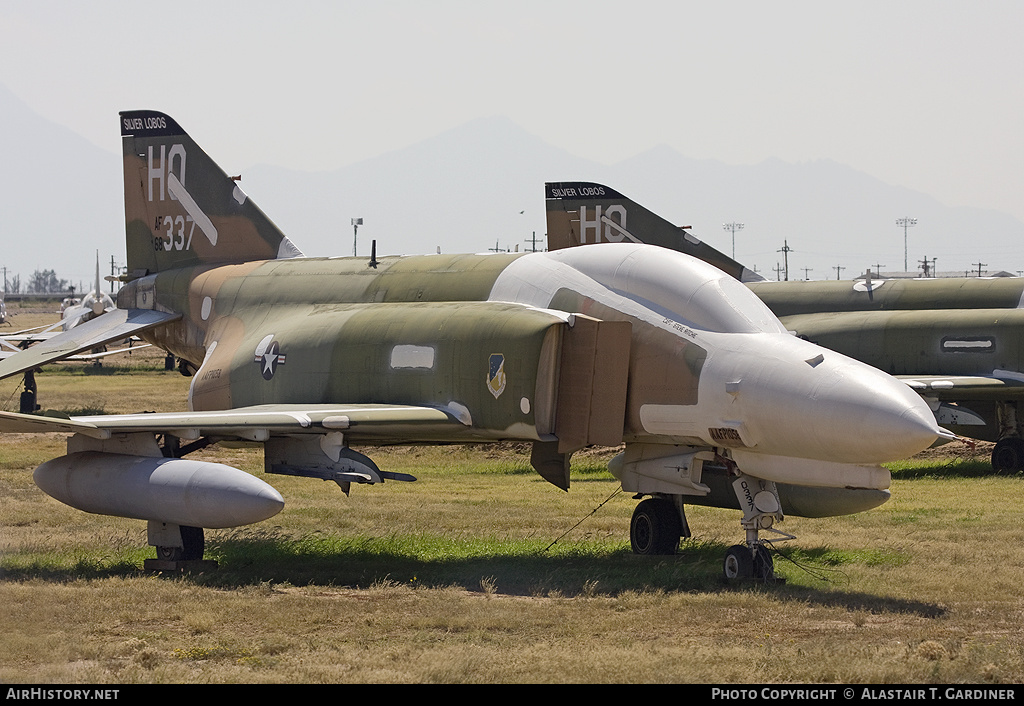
{"x": 356, "y": 222}
{"x": 905, "y": 223}
{"x": 533, "y": 242}
{"x": 838, "y": 269}
{"x": 979, "y": 265}
{"x": 733, "y": 227}
{"x": 778, "y": 272}
{"x": 785, "y": 250}
{"x": 878, "y": 269}
{"x": 929, "y": 269}
{"x": 807, "y": 272}
{"x": 495, "y": 248}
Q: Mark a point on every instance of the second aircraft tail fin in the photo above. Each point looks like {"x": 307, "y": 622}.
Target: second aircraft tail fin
{"x": 579, "y": 213}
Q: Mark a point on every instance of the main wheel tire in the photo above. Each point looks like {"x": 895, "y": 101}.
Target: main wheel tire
{"x": 195, "y": 543}
{"x": 655, "y": 527}
{"x": 739, "y": 563}
{"x": 1008, "y": 455}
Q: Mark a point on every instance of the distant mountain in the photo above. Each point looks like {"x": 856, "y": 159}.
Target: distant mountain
{"x": 61, "y": 198}
{"x": 464, "y": 189}
{"x": 479, "y": 186}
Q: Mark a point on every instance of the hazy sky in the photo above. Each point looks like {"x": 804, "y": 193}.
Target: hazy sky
{"x": 922, "y": 93}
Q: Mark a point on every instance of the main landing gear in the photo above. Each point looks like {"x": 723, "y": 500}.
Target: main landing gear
{"x": 1008, "y": 454}
{"x": 178, "y": 547}
{"x": 659, "y": 522}
{"x": 657, "y": 525}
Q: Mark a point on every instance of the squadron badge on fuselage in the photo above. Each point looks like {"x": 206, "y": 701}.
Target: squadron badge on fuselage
{"x": 269, "y": 356}
{"x": 496, "y": 374}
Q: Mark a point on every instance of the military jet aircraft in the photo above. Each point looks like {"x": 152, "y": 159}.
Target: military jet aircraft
{"x": 74, "y": 311}
{"x": 958, "y": 342}
{"x": 93, "y": 304}
{"x": 716, "y": 403}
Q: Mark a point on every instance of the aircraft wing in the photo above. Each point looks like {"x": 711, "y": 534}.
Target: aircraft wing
{"x": 1000, "y": 385}
{"x": 365, "y": 422}
{"x": 114, "y": 325}
{"x": 4, "y": 354}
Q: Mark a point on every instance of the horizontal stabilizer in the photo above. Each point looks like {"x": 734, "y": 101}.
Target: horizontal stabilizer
{"x": 114, "y": 325}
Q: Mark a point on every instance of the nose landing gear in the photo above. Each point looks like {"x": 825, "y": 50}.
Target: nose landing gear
{"x": 762, "y": 508}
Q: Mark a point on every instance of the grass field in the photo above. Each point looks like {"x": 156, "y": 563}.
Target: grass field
{"x": 478, "y": 572}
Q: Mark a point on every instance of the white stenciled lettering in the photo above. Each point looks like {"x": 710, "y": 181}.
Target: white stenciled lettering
{"x": 179, "y": 152}
{"x": 172, "y": 162}
{"x": 168, "y": 175}
{"x": 614, "y": 222}
{"x": 586, "y": 225}
{"x": 155, "y": 173}
{"x": 615, "y": 230}
{"x": 177, "y": 237}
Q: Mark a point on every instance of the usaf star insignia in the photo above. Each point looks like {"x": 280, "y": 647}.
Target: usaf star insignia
{"x": 268, "y": 355}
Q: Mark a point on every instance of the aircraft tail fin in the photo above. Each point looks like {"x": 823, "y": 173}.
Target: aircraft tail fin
{"x": 181, "y": 209}
{"x": 579, "y": 213}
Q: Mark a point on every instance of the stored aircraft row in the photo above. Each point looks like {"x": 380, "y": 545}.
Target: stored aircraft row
{"x": 958, "y": 342}
{"x": 716, "y": 403}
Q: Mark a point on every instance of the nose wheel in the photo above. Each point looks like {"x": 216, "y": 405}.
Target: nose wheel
{"x": 762, "y": 508}
{"x": 745, "y": 563}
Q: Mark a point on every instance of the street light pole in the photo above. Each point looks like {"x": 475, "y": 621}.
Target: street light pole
{"x": 733, "y": 227}
{"x": 905, "y": 223}
{"x": 356, "y": 222}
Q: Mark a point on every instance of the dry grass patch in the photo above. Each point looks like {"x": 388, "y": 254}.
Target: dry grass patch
{"x": 454, "y": 579}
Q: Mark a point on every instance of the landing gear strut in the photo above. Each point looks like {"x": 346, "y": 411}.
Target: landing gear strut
{"x": 28, "y": 404}
{"x": 761, "y": 510}
{"x": 177, "y": 547}
{"x": 193, "y": 544}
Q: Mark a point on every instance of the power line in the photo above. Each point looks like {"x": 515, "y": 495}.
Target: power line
{"x": 785, "y": 250}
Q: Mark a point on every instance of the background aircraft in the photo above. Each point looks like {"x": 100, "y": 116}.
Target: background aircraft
{"x": 959, "y": 342}
{"x": 715, "y": 402}
{"x": 74, "y": 311}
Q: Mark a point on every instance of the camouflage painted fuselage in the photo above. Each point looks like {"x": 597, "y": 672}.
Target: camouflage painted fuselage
{"x": 411, "y": 331}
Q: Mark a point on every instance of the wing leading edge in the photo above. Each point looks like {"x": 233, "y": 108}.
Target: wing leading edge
{"x": 115, "y": 325}
{"x": 366, "y": 422}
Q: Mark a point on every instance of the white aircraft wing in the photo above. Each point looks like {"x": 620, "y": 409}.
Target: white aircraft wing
{"x": 114, "y": 325}
{"x": 365, "y": 422}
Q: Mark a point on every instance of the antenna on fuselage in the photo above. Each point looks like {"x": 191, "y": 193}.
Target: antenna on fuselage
{"x": 373, "y": 255}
